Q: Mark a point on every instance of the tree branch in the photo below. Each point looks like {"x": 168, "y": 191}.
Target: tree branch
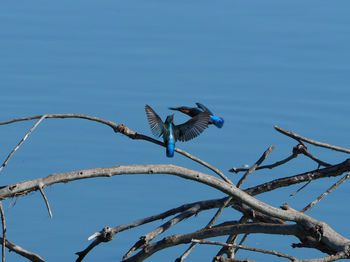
{"x": 22, "y": 252}
{"x": 144, "y": 240}
{"x": 255, "y": 166}
{"x": 21, "y": 142}
{"x": 340, "y": 255}
{"x": 122, "y": 129}
{"x": 275, "y": 253}
{"x": 3, "y": 232}
{"x": 331, "y": 171}
{"x": 45, "y": 199}
{"x": 213, "y": 232}
{"x": 329, "y": 190}
{"x": 313, "y": 142}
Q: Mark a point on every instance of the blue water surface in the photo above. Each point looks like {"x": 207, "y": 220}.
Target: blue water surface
{"x": 255, "y": 63}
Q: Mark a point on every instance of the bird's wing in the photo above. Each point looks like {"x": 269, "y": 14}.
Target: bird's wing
{"x": 156, "y": 124}
{"x": 204, "y": 108}
{"x": 192, "y": 127}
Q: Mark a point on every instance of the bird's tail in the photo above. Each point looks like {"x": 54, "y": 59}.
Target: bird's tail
{"x": 217, "y": 121}
{"x": 170, "y": 150}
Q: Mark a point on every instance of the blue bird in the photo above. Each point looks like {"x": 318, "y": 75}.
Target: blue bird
{"x": 171, "y": 133}
{"x": 193, "y": 111}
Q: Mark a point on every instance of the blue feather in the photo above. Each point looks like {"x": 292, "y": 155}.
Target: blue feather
{"x": 217, "y": 121}
{"x": 171, "y": 142}
{"x": 170, "y": 150}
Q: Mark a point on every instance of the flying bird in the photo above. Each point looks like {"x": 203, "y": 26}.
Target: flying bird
{"x": 171, "y": 132}
{"x": 193, "y": 111}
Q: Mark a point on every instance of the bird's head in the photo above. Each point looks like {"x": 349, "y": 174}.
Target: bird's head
{"x": 183, "y": 109}
{"x": 169, "y": 119}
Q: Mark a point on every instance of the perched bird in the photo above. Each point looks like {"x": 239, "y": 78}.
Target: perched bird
{"x": 193, "y": 111}
{"x": 171, "y": 133}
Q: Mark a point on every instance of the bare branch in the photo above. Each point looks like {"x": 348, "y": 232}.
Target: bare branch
{"x": 45, "y": 199}
{"x": 217, "y": 171}
{"x": 232, "y": 238}
{"x": 301, "y": 188}
{"x": 218, "y": 213}
{"x": 244, "y": 238}
{"x": 213, "y": 232}
{"x": 120, "y": 128}
{"x": 340, "y": 255}
{"x": 275, "y": 253}
{"x": 28, "y": 186}
{"x": 104, "y": 236}
{"x": 21, "y": 142}
{"x": 260, "y": 160}
{"x": 25, "y": 187}
{"x": 329, "y": 190}
{"x": 297, "y": 150}
{"x": 313, "y": 142}
{"x": 331, "y": 171}
{"x": 21, "y": 251}
{"x": 144, "y": 240}
{"x": 224, "y": 259}
{"x": 278, "y": 163}
{"x": 3, "y": 232}
{"x": 314, "y": 234}
{"x": 209, "y": 225}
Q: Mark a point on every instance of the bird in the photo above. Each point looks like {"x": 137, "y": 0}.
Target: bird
{"x": 171, "y": 132}
{"x": 193, "y": 111}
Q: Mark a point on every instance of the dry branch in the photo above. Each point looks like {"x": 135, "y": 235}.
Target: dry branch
{"x": 21, "y": 142}
{"x": 329, "y": 190}
{"x": 23, "y": 252}
{"x": 275, "y": 253}
{"x": 214, "y": 232}
{"x": 3, "y": 231}
{"x": 310, "y": 141}
{"x": 122, "y": 129}
{"x": 311, "y": 232}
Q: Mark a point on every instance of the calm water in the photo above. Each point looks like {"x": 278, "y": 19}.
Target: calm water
{"x": 257, "y": 64}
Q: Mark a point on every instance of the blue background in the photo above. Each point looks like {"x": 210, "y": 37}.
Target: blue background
{"x": 255, "y": 63}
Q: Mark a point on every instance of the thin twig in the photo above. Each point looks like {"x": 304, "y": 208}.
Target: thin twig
{"x": 3, "y": 232}
{"x": 301, "y": 188}
{"x": 313, "y": 142}
{"x": 275, "y": 253}
{"x": 278, "y": 163}
{"x": 318, "y": 161}
{"x": 21, "y": 142}
{"x": 245, "y": 236}
{"x": 217, "y": 171}
{"x": 260, "y": 160}
{"x": 45, "y": 199}
{"x": 329, "y": 190}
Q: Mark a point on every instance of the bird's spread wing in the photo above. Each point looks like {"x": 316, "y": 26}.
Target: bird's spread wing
{"x": 204, "y": 108}
{"x": 156, "y": 124}
{"x": 192, "y": 127}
